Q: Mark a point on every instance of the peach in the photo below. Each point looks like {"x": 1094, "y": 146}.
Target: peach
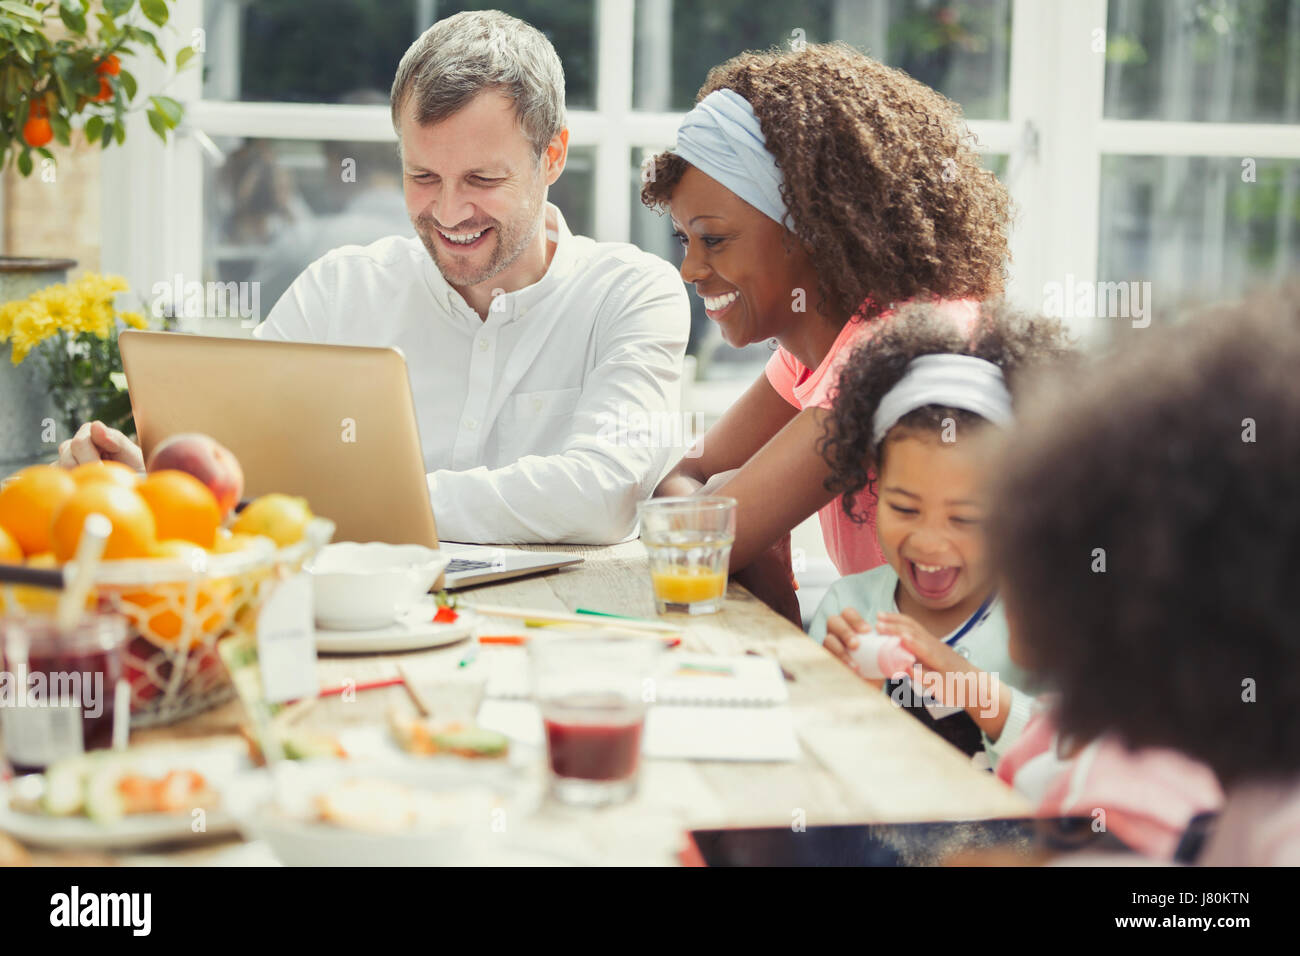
{"x": 207, "y": 460}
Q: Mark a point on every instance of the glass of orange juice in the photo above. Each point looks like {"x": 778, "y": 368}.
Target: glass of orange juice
{"x": 689, "y": 542}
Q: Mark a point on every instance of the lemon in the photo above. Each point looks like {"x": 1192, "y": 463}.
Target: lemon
{"x": 282, "y": 518}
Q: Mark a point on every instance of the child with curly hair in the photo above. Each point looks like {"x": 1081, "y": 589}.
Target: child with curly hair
{"x": 814, "y": 192}
{"x": 920, "y": 412}
{"x": 1147, "y": 527}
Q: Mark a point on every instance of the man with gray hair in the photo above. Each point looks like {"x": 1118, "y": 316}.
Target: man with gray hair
{"x": 536, "y": 357}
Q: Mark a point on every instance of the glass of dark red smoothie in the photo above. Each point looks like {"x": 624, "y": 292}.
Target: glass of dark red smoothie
{"x": 58, "y": 687}
{"x": 593, "y": 692}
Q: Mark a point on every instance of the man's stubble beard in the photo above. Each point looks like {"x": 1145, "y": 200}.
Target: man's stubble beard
{"x": 511, "y": 240}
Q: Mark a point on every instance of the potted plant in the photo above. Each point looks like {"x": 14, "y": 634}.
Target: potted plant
{"x": 64, "y": 65}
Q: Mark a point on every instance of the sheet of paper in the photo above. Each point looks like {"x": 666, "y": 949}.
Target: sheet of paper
{"x": 696, "y": 679}
{"x": 673, "y": 731}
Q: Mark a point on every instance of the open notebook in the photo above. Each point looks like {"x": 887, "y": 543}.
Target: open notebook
{"x": 706, "y": 708}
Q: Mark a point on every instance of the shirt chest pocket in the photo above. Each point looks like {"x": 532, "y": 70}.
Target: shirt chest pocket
{"x": 537, "y": 423}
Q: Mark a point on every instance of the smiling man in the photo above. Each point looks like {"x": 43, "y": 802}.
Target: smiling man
{"x": 523, "y": 341}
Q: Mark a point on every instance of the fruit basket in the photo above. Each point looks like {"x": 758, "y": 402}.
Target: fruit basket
{"x": 178, "y": 609}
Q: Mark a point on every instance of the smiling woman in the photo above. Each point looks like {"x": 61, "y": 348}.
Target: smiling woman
{"x": 813, "y": 192}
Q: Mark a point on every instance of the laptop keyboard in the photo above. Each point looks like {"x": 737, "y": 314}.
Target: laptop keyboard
{"x": 465, "y": 564}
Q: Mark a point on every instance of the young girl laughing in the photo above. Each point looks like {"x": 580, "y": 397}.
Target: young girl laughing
{"x": 919, "y": 416}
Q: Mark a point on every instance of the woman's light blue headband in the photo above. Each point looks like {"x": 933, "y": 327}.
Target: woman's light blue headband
{"x": 722, "y": 139}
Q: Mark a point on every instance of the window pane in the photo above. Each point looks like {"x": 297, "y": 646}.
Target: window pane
{"x": 1194, "y": 228}
{"x": 1191, "y": 60}
{"x": 653, "y": 233}
{"x": 277, "y": 205}
{"x": 330, "y": 51}
{"x": 962, "y": 50}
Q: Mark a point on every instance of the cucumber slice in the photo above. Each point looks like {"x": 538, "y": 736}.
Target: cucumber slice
{"x": 305, "y": 745}
{"x": 104, "y": 803}
{"x": 477, "y": 741}
{"x": 64, "y": 787}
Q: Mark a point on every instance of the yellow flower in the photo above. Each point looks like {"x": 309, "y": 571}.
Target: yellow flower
{"x": 84, "y": 306}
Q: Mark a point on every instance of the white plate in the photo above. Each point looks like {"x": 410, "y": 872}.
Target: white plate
{"x": 219, "y": 764}
{"x": 413, "y": 631}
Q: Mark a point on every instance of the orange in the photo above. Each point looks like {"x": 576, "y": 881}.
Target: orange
{"x": 161, "y": 610}
{"x": 134, "y": 530}
{"x": 110, "y": 65}
{"x": 37, "y": 130}
{"x": 183, "y": 507}
{"x": 10, "y": 552}
{"x": 28, "y": 503}
{"x": 105, "y": 90}
{"x": 34, "y": 599}
{"x": 114, "y": 471}
{"x": 282, "y": 518}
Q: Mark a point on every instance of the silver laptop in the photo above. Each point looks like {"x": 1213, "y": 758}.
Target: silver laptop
{"x": 333, "y": 423}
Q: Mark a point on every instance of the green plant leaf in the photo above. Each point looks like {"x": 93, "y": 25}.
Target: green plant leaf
{"x": 59, "y": 125}
{"x": 171, "y": 110}
{"x": 24, "y": 11}
{"x": 108, "y": 28}
{"x": 94, "y": 126}
{"x": 158, "y": 123}
{"x": 183, "y": 56}
{"x": 119, "y": 133}
{"x": 23, "y": 44}
{"x": 128, "y": 84}
{"x": 155, "y": 10}
{"x": 116, "y": 8}
{"x": 25, "y": 162}
{"x": 107, "y": 135}
{"x": 73, "y": 19}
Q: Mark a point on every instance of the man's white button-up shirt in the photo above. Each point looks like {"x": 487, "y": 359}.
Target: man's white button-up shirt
{"x": 523, "y": 416}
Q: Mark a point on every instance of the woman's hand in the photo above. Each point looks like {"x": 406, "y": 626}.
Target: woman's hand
{"x": 770, "y": 579}
{"x": 715, "y": 482}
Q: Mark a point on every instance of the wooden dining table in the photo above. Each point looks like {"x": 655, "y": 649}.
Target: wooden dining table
{"x": 861, "y": 759}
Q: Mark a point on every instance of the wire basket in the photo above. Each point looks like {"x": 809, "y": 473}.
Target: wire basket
{"x": 178, "y": 610}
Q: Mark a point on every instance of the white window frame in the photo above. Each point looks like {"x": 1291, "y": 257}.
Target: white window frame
{"x": 153, "y": 196}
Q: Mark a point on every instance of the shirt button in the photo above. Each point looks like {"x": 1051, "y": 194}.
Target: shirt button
{"x": 471, "y": 423}
{"x": 484, "y": 345}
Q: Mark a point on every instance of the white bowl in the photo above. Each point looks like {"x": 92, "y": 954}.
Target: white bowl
{"x": 283, "y": 818}
{"x": 359, "y": 586}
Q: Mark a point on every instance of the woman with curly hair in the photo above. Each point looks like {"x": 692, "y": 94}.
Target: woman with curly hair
{"x": 814, "y": 192}
{"x": 1147, "y": 527}
{"x": 921, "y": 408}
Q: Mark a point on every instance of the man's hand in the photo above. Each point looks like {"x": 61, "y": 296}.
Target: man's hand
{"x": 95, "y": 441}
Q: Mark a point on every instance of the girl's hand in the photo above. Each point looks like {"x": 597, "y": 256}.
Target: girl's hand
{"x": 932, "y": 654}
{"x": 841, "y": 634}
